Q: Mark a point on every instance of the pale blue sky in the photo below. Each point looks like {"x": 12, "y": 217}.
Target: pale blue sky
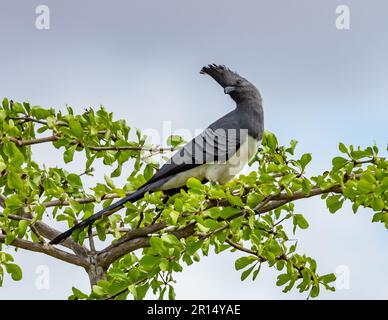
{"x": 141, "y": 59}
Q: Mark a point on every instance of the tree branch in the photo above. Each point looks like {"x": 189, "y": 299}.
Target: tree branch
{"x": 239, "y": 247}
{"x": 22, "y": 143}
{"x": 138, "y": 238}
{"x": 132, "y": 240}
{"x": 50, "y": 233}
{"x": 49, "y": 250}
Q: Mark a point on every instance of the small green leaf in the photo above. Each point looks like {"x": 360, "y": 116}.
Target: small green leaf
{"x": 40, "y": 113}
{"x": 69, "y": 154}
{"x": 194, "y": 184}
{"x": 246, "y": 273}
{"x": 171, "y": 293}
{"x": 342, "y": 148}
{"x": 300, "y": 221}
{"x": 270, "y": 140}
{"x": 304, "y": 161}
{"x": 14, "y": 270}
{"x": 334, "y": 203}
{"x": 228, "y": 212}
{"x": 79, "y": 294}
{"x": 75, "y": 128}
{"x": 338, "y": 163}
{"x": 306, "y": 186}
{"x": 244, "y": 261}
{"x": 109, "y": 181}
{"x": 5, "y": 103}
{"x": 282, "y": 279}
{"x": 235, "y": 201}
{"x": 148, "y": 172}
{"x": 174, "y": 140}
{"x": 327, "y": 278}
{"x": 149, "y": 262}
{"x": 3, "y": 115}
{"x": 74, "y": 180}
{"x": 22, "y": 227}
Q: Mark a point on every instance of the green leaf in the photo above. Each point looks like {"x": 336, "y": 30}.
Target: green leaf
{"x": 314, "y": 292}
{"x": 18, "y": 108}
{"x": 3, "y": 115}
{"x": 291, "y": 149}
{"x": 99, "y": 291}
{"x": 5, "y": 103}
{"x": 213, "y": 212}
{"x": 228, "y": 212}
{"x": 300, "y": 221}
{"x": 342, "y": 148}
{"x": 14, "y": 270}
{"x": 378, "y": 204}
{"x": 75, "y": 128}
{"x": 338, "y": 163}
{"x": 14, "y": 202}
{"x": 149, "y": 262}
{"x": 270, "y": 140}
{"x": 246, "y": 273}
{"x": 109, "y": 181}
{"x": 22, "y": 227}
{"x": 157, "y": 244}
{"x": 193, "y": 246}
{"x": 141, "y": 291}
{"x": 39, "y": 210}
{"x": 14, "y": 181}
{"x": 327, "y": 278}
{"x": 235, "y": 200}
{"x": 171, "y": 293}
{"x": 194, "y": 184}
{"x": 364, "y": 186}
{"x": 74, "y": 180}
{"x": 334, "y": 203}
{"x": 79, "y": 294}
{"x": 40, "y": 113}
{"x": 101, "y": 232}
{"x": 306, "y": 186}
{"x": 275, "y": 247}
{"x": 282, "y": 279}
{"x": 244, "y": 261}
{"x": 13, "y": 153}
{"x": 174, "y": 140}
{"x": 256, "y": 272}
{"x": 171, "y": 241}
{"x": 148, "y": 172}
{"x": 69, "y": 154}
{"x": 304, "y": 161}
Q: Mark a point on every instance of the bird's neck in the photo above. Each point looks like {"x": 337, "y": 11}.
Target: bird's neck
{"x": 252, "y": 117}
{"x": 250, "y": 103}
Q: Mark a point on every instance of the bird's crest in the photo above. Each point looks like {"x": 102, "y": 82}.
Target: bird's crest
{"x": 223, "y": 75}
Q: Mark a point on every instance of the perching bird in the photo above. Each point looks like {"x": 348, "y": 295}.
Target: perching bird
{"x": 217, "y": 155}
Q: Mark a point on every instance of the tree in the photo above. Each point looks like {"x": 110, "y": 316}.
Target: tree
{"x": 144, "y": 244}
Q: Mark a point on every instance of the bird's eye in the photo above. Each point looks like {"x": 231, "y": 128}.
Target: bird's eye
{"x": 238, "y": 82}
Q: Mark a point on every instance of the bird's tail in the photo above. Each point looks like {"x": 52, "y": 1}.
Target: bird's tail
{"x": 138, "y": 194}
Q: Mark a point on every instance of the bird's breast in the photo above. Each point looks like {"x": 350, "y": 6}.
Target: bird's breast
{"x": 225, "y": 172}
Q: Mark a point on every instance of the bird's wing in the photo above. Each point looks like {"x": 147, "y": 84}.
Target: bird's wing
{"x": 211, "y": 146}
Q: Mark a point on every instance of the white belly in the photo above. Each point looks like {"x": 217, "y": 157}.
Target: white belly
{"x": 217, "y": 172}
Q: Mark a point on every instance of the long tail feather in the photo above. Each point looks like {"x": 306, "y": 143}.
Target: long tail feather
{"x": 107, "y": 211}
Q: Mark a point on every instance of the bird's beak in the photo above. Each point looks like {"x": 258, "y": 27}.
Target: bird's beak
{"x": 229, "y": 89}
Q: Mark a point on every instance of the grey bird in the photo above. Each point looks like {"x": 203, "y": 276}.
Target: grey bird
{"x": 217, "y": 155}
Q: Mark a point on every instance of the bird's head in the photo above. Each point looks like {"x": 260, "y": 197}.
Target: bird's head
{"x": 239, "y": 88}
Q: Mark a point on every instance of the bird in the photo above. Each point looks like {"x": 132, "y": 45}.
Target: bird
{"x": 216, "y": 155}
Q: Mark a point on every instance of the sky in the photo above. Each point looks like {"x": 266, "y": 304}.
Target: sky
{"x": 141, "y": 60}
